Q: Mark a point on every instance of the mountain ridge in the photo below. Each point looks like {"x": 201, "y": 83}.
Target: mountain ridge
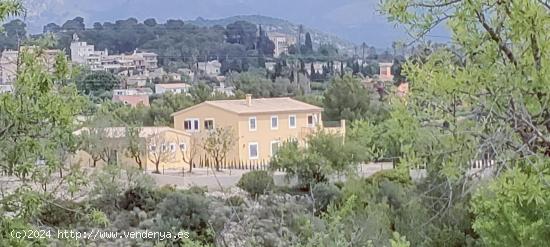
{"x": 351, "y": 20}
{"x": 273, "y": 24}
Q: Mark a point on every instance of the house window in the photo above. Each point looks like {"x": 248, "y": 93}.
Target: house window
{"x": 253, "y": 150}
{"x": 209, "y": 124}
{"x": 153, "y": 148}
{"x": 310, "y": 121}
{"x": 274, "y": 122}
{"x": 163, "y": 148}
{"x": 196, "y": 124}
{"x": 252, "y": 124}
{"x": 191, "y": 124}
{"x": 292, "y": 121}
{"x": 172, "y": 147}
{"x": 275, "y": 147}
{"x": 182, "y": 146}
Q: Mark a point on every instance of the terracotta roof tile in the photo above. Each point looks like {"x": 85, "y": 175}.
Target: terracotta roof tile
{"x": 262, "y": 105}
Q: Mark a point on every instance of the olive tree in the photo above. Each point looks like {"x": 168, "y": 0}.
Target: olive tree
{"x": 135, "y": 146}
{"x": 217, "y": 143}
{"x": 160, "y": 149}
{"x": 190, "y": 151}
{"x": 325, "y": 154}
{"x": 35, "y": 123}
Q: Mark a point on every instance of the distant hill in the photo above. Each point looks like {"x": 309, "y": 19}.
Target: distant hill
{"x": 282, "y": 26}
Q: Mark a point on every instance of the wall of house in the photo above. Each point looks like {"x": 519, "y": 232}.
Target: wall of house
{"x": 173, "y": 160}
{"x": 265, "y": 135}
{"x": 159, "y": 89}
{"x": 204, "y": 112}
{"x": 173, "y": 157}
{"x": 85, "y": 159}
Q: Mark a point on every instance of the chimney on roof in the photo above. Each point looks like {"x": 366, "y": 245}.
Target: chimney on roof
{"x": 249, "y": 99}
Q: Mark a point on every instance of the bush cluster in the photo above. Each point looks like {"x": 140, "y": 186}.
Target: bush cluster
{"x": 324, "y": 194}
{"x": 256, "y": 182}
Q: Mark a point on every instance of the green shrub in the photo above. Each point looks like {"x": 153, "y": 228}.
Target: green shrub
{"x": 164, "y": 191}
{"x": 234, "y": 201}
{"x": 291, "y": 190}
{"x": 180, "y": 210}
{"x": 400, "y": 176}
{"x": 324, "y": 156}
{"x": 306, "y": 225}
{"x": 325, "y": 194}
{"x": 60, "y": 213}
{"x": 339, "y": 184}
{"x": 198, "y": 190}
{"x": 139, "y": 197}
{"x": 110, "y": 182}
{"x": 361, "y": 189}
{"x": 125, "y": 220}
{"x": 9, "y": 225}
{"x": 318, "y": 86}
{"x": 256, "y": 182}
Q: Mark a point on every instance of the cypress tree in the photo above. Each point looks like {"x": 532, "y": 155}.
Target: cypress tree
{"x": 356, "y": 68}
{"x": 308, "y": 45}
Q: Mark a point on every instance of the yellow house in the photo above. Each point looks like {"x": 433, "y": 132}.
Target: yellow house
{"x": 259, "y": 125}
{"x": 162, "y": 146}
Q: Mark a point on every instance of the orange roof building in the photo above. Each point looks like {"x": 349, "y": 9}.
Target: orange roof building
{"x": 132, "y": 100}
{"x": 259, "y": 125}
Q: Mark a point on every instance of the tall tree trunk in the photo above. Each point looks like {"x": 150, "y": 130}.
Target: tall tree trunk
{"x": 139, "y": 162}
{"x": 157, "y": 171}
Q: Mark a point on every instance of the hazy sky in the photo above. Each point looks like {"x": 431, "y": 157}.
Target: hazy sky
{"x": 355, "y": 20}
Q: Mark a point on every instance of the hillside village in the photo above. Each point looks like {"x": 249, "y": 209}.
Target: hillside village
{"x": 141, "y": 79}
{"x": 139, "y": 69}
{"x": 233, "y": 133}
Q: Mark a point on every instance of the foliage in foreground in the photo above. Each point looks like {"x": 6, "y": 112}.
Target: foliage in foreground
{"x": 485, "y": 98}
{"x": 514, "y": 208}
